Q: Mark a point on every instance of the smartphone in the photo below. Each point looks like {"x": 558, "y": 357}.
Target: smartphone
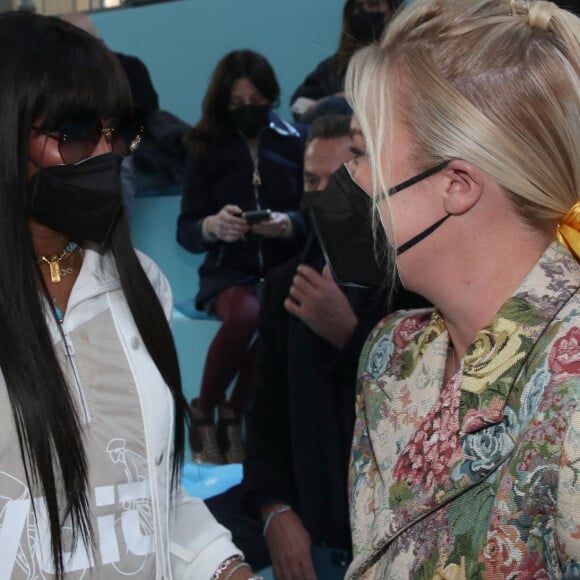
{"x": 257, "y": 216}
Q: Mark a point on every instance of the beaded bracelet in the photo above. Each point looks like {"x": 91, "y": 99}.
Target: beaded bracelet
{"x": 235, "y": 568}
{"x": 224, "y": 565}
{"x": 272, "y": 515}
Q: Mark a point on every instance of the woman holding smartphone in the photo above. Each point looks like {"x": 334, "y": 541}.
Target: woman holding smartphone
{"x": 243, "y": 158}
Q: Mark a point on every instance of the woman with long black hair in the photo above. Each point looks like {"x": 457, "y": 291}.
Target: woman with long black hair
{"x": 243, "y": 157}
{"x": 92, "y": 417}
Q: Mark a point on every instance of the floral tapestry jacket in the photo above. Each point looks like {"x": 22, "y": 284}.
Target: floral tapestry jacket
{"x": 478, "y": 478}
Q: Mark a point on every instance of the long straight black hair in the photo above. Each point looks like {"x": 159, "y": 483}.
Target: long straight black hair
{"x": 214, "y": 124}
{"x": 50, "y": 69}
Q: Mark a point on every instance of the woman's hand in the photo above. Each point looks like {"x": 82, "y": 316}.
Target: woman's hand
{"x": 227, "y": 225}
{"x": 275, "y": 227}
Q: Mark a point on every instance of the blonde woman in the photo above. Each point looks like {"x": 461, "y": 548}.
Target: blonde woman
{"x": 466, "y": 454}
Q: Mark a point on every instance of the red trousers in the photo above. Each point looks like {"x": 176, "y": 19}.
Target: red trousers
{"x": 230, "y": 353}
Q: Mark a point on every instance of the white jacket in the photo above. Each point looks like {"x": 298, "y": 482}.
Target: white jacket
{"x": 127, "y": 413}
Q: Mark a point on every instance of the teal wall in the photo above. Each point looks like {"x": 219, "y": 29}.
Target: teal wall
{"x": 182, "y": 41}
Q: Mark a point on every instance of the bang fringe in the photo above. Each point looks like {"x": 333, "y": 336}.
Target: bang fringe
{"x": 83, "y": 86}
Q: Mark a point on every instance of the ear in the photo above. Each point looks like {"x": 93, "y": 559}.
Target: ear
{"x": 465, "y": 184}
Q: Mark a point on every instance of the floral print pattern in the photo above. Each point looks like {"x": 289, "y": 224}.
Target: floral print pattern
{"x": 435, "y": 444}
{"x": 565, "y": 358}
{"x": 380, "y": 357}
{"x": 478, "y": 478}
{"x": 485, "y": 449}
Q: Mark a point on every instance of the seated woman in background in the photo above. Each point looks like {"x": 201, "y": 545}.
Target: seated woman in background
{"x": 243, "y": 158}
{"x": 322, "y": 91}
{"x": 91, "y": 408}
{"x": 466, "y": 451}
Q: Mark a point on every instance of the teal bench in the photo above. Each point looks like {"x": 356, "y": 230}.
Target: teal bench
{"x": 153, "y": 229}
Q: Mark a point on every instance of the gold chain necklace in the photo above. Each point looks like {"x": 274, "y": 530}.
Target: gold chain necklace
{"x": 54, "y": 262}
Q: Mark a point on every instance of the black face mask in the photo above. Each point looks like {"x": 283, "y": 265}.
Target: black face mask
{"x": 309, "y": 199}
{"x": 342, "y": 215}
{"x": 368, "y": 26}
{"x": 251, "y": 120}
{"x": 83, "y": 200}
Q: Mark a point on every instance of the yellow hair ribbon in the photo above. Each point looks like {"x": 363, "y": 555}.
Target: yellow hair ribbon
{"x": 568, "y": 230}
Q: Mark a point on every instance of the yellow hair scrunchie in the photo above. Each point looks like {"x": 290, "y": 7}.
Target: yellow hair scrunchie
{"x": 568, "y": 230}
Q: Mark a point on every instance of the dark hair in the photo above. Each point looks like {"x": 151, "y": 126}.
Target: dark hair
{"x": 348, "y": 43}
{"x": 329, "y": 127}
{"x": 235, "y": 65}
{"x": 48, "y": 69}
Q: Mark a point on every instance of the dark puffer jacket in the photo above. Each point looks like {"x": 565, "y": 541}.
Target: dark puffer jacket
{"x": 224, "y": 176}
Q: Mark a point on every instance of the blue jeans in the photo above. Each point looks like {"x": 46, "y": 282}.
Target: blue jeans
{"x": 329, "y": 563}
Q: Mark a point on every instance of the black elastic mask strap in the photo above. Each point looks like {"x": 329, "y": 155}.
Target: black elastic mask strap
{"x": 38, "y": 165}
{"x": 421, "y": 236}
{"x": 427, "y": 173}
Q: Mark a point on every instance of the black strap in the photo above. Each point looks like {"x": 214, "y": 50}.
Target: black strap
{"x": 417, "y": 178}
{"x": 421, "y": 236}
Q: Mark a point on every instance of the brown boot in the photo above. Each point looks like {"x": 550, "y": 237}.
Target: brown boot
{"x": 230, "y": 434}
{"x": 203, "y": 438}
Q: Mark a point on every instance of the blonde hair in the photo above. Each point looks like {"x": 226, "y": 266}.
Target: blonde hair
{"x": 493, "y": 82}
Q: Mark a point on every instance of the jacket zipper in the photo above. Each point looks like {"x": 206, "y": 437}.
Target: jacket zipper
{"x": 70, "y": 354}
{"x": 220, "y": 255}
{"x": 257, "y": 182}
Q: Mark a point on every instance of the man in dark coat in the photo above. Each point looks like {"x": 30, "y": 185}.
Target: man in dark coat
{"x": 299, "y": 426}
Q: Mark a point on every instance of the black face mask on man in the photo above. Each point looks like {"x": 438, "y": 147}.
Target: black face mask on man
{"x": 83, "y": 199}
{"x": 251, "y": 120}
{"x": 309, "y": 199}
{"x": 342, "y": 218}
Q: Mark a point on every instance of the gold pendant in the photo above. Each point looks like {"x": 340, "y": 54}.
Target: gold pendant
{"x": 54, "y": 271}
